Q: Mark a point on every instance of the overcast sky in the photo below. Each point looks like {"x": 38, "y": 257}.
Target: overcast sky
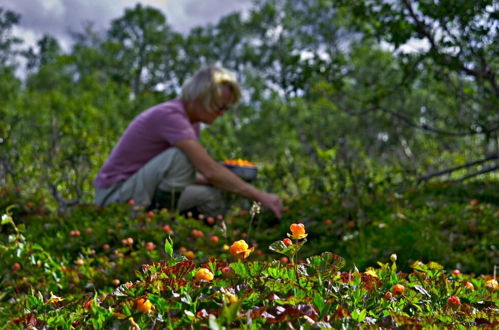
{"x": 57, "y": 17}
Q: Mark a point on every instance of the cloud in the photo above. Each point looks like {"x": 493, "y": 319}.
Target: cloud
{"x": 198, "y": 13}
{"x": 58, "y": 17}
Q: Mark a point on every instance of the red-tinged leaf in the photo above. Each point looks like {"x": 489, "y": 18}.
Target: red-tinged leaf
{"x": 308, "y": 310}
{"x": 29, "y": 321}
{"x": 387, "y": 322}
{"x": 269, "y": 317}
{"x": 484, "y": 322}
{"x": 402, "y": 320}
{"x": 182, "y": 268}
{"x": 287, "y": 313}
{"x": 370, "y": 282}
{"x": 256, "y": 312}
{"x": 346, "y": 277}
{"x": 218, "y": 265}
{"x": 341, "y": 313}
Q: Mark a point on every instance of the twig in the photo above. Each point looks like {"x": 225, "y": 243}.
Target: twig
{"x": 452, "y": 169}
{"x": 483, "y": 171}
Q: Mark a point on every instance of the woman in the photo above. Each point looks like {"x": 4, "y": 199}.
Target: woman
{"x": 158, "y": 155}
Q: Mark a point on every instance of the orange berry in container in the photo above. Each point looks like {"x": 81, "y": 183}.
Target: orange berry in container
{"x": 239, "y": 162}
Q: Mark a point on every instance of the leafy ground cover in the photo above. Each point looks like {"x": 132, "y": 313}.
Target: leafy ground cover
{"x": 424, "y": 257}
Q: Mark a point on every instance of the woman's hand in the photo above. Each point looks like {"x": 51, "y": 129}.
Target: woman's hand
{"x": 273, "y": 203}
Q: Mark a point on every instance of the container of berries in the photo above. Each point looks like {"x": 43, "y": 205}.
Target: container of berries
{"x": 244, "y": 169}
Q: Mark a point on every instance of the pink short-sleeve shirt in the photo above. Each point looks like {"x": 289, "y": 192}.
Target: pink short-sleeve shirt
{"x": 149, "y": 134}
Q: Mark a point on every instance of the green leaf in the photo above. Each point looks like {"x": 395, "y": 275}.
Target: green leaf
{"x": 255, "y": 268}
{"x": 359, "y": 316}
{"x": 169, "y": 246}
{"x": 289, "y": 251}
{"x": 230, "y": 312}
{"x": 435, "y": 266}
{"x": 319, "y": 302}
{"x": 280, "y": 247}
{"x": 327, "y": 262}
{"x": 241, "y": 269}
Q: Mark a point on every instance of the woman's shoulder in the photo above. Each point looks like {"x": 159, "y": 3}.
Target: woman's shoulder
{"x": 170, "y": 108}
{"x": 174, "y": 105}
{"x": 171, "y": 112}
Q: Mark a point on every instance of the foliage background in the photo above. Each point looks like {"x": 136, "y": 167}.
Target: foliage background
{"x": 336, "y": 111}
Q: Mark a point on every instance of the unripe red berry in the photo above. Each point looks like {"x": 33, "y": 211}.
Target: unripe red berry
{"x": 228, "y": 272}
{"x": 398, "y": 289}
{"x": 150, "y": 246}
{"x": 454, "y": 301}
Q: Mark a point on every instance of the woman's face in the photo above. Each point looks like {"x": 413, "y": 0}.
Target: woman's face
{"x": 208, "y": 116}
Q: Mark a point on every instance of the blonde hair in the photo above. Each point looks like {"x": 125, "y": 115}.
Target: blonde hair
{"x": 205, "y": 87}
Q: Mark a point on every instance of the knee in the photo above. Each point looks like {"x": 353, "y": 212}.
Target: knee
{"x": 179, "y": 156}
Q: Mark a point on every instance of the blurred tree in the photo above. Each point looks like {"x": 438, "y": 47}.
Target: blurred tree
{"x": 48, "y": 51}
{"x": 141, "y": 49}
{"x": 8, "y": 51}
{"x": 452, "y": 46}
{"x": 10, "y": 87}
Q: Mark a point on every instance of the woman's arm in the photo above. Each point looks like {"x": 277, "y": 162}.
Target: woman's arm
{"x": 224, "y": 179}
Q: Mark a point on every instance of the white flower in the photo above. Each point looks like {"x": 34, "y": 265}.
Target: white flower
{"x": 6, "y": 218}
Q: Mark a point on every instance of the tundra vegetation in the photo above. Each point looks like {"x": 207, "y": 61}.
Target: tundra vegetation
{"x": 377, "y": 121}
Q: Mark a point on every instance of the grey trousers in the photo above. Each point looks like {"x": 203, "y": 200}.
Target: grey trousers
{"x": 170, "y": 171}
